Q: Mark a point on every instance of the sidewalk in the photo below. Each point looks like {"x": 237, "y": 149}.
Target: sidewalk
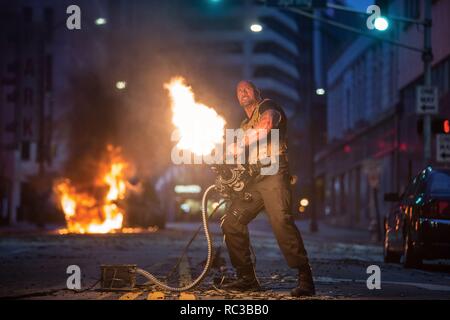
{"x": 28, "y": 228}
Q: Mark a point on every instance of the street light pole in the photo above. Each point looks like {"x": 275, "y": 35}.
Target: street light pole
{"x": 427, "y": 53}
{"x": 427, "y": 57}
{"x": 389, "y": 17}
{"x": 355, "y": 30}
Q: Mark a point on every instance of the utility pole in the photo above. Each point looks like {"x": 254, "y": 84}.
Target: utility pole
{"x": 427, "y": 57}
{"x": 313, "y": 224}
{"x": 41, "y": 66}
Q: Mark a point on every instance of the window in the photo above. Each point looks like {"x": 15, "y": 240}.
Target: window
{"x": 409, "y": 192}
{"x": 25, "y": 151}
{"x": 421, "y": 183}
{"x": 421, "y": 188}
{"x": 48, "y": 73}
{"x": 440, "y": 75}
{"x": 440, "y": 183}
{"x": 279, "y": 27}
{"x": 263, "y": 71}
{"x": 412, "y": 9}
{"x": 276, "y": 50}
{"x": 48, "y": 20}
{"x": 287, "y": 103}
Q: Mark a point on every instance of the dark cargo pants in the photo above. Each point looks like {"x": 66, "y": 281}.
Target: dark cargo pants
{"x": 273, "y": 193}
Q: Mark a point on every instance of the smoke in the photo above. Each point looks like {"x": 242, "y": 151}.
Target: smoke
{"x": 138, "y": 119}
{"x": 93, "y": 124}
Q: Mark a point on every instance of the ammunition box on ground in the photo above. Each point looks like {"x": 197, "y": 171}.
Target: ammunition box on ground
{"x": 118, "y": 277}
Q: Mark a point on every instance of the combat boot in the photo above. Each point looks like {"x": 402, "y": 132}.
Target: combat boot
{"x": 305, "y": 286}
{"x": 245, "y": 281}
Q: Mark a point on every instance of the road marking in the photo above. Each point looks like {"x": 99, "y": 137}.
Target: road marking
{"x": 104, "y": 295}
{"x": 426, "y": 286}
{"x": 130, "y": 295}
{"x": 332, "y": 280}
{"x": 185, "y": 278}
{"x": 157, "y": 295}
{"x": 185, "y": 272}
{"x": 187, "y": 296}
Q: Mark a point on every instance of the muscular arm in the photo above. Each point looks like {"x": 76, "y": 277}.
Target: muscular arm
{"x": 270, "y": 119}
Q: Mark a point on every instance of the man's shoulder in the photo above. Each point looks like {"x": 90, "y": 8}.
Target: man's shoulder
{"x": 269, "y": 104}
{"x": 243, "y": 122}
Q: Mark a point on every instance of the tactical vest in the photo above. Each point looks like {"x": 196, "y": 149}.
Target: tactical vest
{"x": 250, "y": 123}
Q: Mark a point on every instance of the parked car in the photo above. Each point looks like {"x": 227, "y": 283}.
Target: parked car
{"x": 418, "y": 224}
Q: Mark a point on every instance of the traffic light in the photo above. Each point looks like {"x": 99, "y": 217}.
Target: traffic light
{"x": 446, "y": 126}
{"x": 439, "y": 125}
{"x": 381, "y": 24}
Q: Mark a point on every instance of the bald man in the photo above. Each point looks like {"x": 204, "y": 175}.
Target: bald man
{"x": 269, "y": 192}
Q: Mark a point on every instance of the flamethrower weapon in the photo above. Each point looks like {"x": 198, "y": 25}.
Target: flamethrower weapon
{"x": 231, "y": 183}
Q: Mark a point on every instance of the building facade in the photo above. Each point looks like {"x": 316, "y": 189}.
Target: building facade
{"x": 269, "y": 57}
{"x": 373, "y": 145}
{"x": 38, "y": 55}
{"x": 142, "y": 43}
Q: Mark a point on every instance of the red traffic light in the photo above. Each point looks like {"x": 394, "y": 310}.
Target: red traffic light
{"x": 439, "y": 125}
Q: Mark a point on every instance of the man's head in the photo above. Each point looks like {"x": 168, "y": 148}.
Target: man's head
{"x": 247, "y": 93}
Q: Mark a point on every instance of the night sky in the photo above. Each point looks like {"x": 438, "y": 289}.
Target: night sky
{"x": 360, "y": 4}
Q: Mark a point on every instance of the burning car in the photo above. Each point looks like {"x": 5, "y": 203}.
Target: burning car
{"x": 110, "y": 203}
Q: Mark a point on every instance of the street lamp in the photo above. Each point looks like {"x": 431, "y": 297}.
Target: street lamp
{"x": 100, "y": 21}
{"x": 320, "y": 91}
{"x": 256, "y": 27}
{"x": 304, "y": 202}
{"x": 121, "y": 85}
{"x": 381, "y": 24}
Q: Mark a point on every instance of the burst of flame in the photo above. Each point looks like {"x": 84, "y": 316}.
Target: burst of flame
{"x": 83, "y": 212}
{"x": 200, "y": 127}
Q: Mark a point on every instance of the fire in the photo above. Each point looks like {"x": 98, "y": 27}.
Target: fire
{"x": 86, "y": 213}
{"x": 200, "y": 127}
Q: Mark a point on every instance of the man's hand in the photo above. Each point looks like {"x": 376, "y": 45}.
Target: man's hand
{"x": 270, "y": 119}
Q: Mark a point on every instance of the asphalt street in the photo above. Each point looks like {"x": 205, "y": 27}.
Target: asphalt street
{"x": 33, "y": 265}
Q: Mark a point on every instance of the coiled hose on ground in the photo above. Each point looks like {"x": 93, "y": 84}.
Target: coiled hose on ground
{"x": 202, "y": 275}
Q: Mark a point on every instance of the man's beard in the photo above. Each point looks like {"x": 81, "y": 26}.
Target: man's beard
{"x": 249, "y": 103}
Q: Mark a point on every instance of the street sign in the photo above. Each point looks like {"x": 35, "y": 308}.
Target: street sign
{"x": 443, "y": 148}
{"x": 300, "y": 4}
{"x": 427, "y": 100}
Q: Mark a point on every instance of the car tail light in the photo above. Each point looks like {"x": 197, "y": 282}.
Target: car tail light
{"x": 439, "y": 209}
{"x": 443, "y": 208}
